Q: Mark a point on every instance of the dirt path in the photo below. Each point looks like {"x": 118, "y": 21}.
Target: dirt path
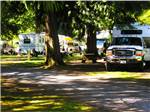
{"x": 106, "y": 93}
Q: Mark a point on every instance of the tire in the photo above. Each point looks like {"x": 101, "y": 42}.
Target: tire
{"x": 140, "y": 67}
{"x": 147, "y": 66}
{"x": 94, "y": 60}
{"x": 108, "y": 66}
{"x": 83, "y": 61}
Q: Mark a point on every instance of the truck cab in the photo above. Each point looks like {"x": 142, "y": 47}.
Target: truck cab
{"x": 126, "y": 49}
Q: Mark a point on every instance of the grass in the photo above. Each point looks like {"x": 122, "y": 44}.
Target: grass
{"x": 22, "y": 61}
{"x": 22, "y": 97}
{"x": 121, "y": 75}
{"x": 19, "y": 58}
{"x": 9, "y": 60}
{"x": 18, "y": 97}
{"x": 72, "y": 57}
{"x": 43, "y": 104}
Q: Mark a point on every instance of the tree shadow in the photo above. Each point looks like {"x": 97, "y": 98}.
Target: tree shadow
{"x": 60, "y": 89}
{"x": 20, "y": 97}
{"x": 83, "y": 67}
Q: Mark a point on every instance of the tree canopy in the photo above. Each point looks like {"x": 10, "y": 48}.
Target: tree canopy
{"x": 75, "y": 18}
{"x": 15, "y": 19}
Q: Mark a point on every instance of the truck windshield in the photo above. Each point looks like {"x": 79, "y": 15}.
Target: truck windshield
{"x": 127, "y": 41}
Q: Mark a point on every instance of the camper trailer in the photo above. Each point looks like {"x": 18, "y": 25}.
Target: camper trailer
{"x": 68, "y": 45}
{"x": 130, "y": 47}
{"x": 31, "y": 41}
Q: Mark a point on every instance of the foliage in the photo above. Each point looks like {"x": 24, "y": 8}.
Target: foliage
{"x": 15, "y": 19}
{"x": 145, "y": 17}
{"x": 105, "y": 14}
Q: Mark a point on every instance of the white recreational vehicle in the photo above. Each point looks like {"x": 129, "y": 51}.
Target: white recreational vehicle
{"x": 36, "y": 41}
{"x": 129, "y": 47}
{"x": 31, "y": 41}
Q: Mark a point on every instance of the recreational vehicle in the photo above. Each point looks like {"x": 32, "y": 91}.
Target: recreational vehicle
{"x": 130, "y": 47}
{"x": 31, "y": 41}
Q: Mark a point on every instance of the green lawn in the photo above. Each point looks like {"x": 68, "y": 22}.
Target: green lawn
{"x": 20, "y": 58}
{"x": 43, "y": 103}
{"x": 121, "y": 75}
{"x": 22, "y": 97}
{"x": 18, "y": 97}
{"x": 14, "y": 60}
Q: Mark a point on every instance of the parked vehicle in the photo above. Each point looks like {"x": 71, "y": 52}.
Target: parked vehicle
{"x": 5, "y": 48}
{"x": 31, "y": 41}
{"x": 68, "y": 45}
{"x": 129, "y": 48}
{"x": 102, "y": 38}
{"x": 101, "y": 45}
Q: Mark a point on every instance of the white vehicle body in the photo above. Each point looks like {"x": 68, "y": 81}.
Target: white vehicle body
{"x": 129, "y": 47}
{"x": 145, "y": 35}
{"x": 101, "y": 40}
{"x": 100, "y": 44}
{"x": 31, "y": 41}
{"x": 68, "y": 45}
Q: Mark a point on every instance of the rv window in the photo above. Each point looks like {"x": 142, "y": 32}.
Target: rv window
{"x": 41, "y": 39}
{"x": 70, "y": 44}
{"x": 26, "y": 41}
{"x": 127, "y": 41}
{"x": 131, "y": 32}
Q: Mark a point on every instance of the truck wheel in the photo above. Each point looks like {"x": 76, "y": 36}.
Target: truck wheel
{"x": 83, "y": 61}
{"x": 147, "y": 66}
{"x": 140, "y": 67}
{"x": 108, "y": 66}
{"x": 94, "y": 60}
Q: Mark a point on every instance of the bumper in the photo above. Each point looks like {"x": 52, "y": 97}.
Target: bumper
{"x": 124, "y": 61}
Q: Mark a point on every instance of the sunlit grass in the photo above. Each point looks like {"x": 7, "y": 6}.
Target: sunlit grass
{"x": 14, "y": 60}
{"x": 44, "y": 103}
{"x": 6, "y": 59}
{"x": 123, "y": 75}
{"x": 19, "y": 58}
{"x": 19, "y": 97}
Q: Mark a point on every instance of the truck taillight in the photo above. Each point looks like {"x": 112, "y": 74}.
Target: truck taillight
{"x": 109, "y": 53}
{"x": 139, "y": 53}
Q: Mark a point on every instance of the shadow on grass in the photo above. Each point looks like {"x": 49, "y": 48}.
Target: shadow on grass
{"x": 89, "y": 67}
{"x": 66, "y": 97}
{"x": 19, "y": 97}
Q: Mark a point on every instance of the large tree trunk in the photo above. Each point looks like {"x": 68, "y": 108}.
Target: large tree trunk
{"x": 53, "y": 55}
{"x": 91, "y": 40}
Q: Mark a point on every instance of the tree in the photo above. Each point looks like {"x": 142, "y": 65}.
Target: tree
{"x": 99, "y": 15}
{"x": 15, "y": 19}
{"x": 144, "y": 18}
{"x": 48, "y": 10}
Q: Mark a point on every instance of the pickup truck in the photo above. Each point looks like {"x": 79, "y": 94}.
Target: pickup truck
{"x": 129, "y": 48}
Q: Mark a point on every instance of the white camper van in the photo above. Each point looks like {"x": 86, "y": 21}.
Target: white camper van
{"x": 129, "y": 48}
{"x": 31, "y": 41}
